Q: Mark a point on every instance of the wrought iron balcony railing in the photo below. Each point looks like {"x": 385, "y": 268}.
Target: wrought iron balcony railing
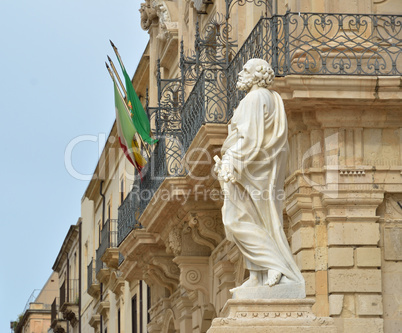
{"x": 99, "y": 263}
{"x": 127, "y": 215}
{"x": 91, "y": 275}
{"x": 69, "y": 292}
{"x": 108, "y": 236}
{"x": 166, "y": 162}
{"x": 206, "y": 103}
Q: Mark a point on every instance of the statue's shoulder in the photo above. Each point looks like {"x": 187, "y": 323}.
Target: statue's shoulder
{"x": 259, "y": 93}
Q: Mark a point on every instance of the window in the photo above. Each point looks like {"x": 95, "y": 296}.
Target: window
{"x": 148, "y": 304}
{"x": 99, "y": 232}
{"x": 118, "y": 321}
{"x": 141, "y": 304}
{"x": 122, "y": 190}
{"x": 109, "y": 209}
{"x": 134, "y": 323}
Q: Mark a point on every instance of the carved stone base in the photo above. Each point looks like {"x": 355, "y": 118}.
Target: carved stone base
{"x": 278, "y": 291}
{"x": 271, "y": 315}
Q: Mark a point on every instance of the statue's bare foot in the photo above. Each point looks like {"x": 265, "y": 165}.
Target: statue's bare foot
{"x": 273, "y": 277}
{"x": 252, "y": 281}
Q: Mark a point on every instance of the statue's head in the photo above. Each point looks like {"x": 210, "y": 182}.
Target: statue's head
{"x": 255, "y": 72}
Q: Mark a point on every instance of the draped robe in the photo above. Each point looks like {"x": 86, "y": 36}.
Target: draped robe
{"x": 252, "y": 212}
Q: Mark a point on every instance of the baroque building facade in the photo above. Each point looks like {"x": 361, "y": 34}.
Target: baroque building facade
{"x": 154, "y": 256}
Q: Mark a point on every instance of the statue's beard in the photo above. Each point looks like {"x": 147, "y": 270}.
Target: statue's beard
{"x": 244, "y": 85}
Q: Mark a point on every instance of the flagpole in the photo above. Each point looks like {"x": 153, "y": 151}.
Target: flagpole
{"x": 117, "y": 53}
{"x": 113, "y": 78}
{"x": 126, "y": 107}
{"x": 117, "y": 76}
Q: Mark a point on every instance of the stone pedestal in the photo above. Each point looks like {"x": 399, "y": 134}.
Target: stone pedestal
{"x": 278, "y": 291}
{"x": 271, "y": 315}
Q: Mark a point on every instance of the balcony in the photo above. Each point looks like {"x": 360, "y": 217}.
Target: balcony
{"x": 95, "y": 320}
{"x": 101, "y": 269}
{"x": 69, "y": 300}
{"x": 57, "y": 322}
{"x": 92, "y": 282}
{"x": 108, "y": 246}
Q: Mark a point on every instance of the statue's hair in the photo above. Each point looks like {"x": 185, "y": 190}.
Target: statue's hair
{"x": 263, "y": 76}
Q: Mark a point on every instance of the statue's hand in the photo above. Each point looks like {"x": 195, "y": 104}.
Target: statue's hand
{"x": 227, "y": 170}
{"x": 218, "y": 165}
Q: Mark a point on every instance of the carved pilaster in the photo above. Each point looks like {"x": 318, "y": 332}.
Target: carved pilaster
{"x": 194, "y": 273}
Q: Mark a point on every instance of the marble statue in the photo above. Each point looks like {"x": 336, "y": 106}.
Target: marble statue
{"x": 252, "y": 174}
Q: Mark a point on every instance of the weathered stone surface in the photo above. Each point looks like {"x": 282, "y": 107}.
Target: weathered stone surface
{"x": 335, "y": 304}
{"x": 302, "y": 239}
{"x": 309, "y": 278}
{"x": 369, "y": 305}
{"x": 279, "y": 316}
{"x": 353, "y": 233}
{"x": 368, "y": 257}
{"x": 305, "y": 260}
{"x": 354, "y": 280}
{"x": 393, "y": 243}
{"x": 321, "y": 282}
{"x": 340, "y": 257}
{"x": 364, "y": 325}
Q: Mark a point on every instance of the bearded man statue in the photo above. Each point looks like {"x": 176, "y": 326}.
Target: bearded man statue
{"x": 252, "y": 174}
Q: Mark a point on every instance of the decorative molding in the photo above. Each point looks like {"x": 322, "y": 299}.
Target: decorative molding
{"x": 353, "y": 172}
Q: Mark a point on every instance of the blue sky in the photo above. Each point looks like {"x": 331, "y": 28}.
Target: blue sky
{"x": 54, "y": 87}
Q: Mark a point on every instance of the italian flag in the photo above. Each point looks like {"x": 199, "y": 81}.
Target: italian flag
{"x": 137, "y": 112}
{"x": 127, "y": 132}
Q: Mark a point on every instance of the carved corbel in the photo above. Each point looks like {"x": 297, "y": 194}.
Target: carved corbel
{"x": 71, "y": 317}
{"x": 157, "y": 11}
{"x": 169, "y": 268}
{"x": 159, "y": 276}
{"x": 174, "y": 241}
{"x": 148, "y": 15}
{"x": 206, "y": 229}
